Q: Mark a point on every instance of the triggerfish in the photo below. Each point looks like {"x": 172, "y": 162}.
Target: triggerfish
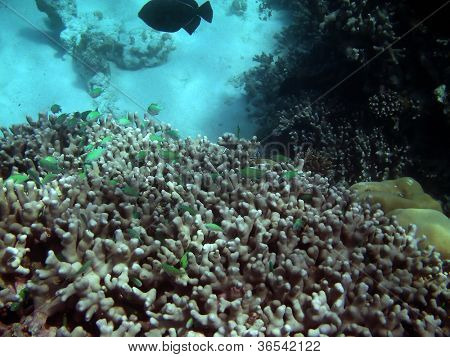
{"x": 173, "y": 15}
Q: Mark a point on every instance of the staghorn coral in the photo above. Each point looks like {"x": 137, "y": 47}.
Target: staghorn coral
{"x": 186, "y": 244}
{"x": 317, "y": 162}
{"x": 364, "y": 28}
{"x": 386, "y": 106}
{"x": 389, "y": 108}
{"x": 350, "y": 152}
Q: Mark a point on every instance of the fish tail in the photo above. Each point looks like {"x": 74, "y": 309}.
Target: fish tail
{"x": 206, "y": 12}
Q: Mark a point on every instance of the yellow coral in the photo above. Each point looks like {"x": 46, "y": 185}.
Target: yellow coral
{"x": 405, "y": 198}
{"x": 431, "y": 223}
{"x": 404, "y": 192}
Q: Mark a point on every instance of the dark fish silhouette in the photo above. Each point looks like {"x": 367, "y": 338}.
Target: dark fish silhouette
{"x": 173, "y": 15}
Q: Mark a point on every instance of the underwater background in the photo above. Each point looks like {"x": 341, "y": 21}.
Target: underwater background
{"x": 192, "y": 77}
{"x": 282, "y": 171}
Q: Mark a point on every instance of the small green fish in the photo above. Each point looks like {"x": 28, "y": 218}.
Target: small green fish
{"x": 60, "y": 120}
{"x": 213, "y": 227}
{"x": 55, "y": 108}
{"x": 124, "y": 121}
{"x": 84, "y": 268}
{"x": 154, "y": 109}
{"x": 184, "y": 260}
{"x": 136, "y": 282}
{"x": 156, "y": 137}
{"x": 169, "y": 155}
{"x": 113, "y": 182}
{"x": 15, "y": 306}
{"x": 82, "y": 175}
{"x": 23, "y": 295}
{"x": 71, "y": 123}
{"x": 298, "y": 224}
{"x": 94, "y": 155}
{"x": 187, "y": 208}
{"x": 134, "y": 234}
{"x": 136, "y": 214}
{"x": 48, "y": 178}
{"x": 95, "y": 92}
{"x": 252, "y": 173}
{"x": 106, "y": 139}
{"x": 142, "y": 155}
{"x": 49, "y": 163}
{"x": 93, "y": 115}
{"x": 214, "y": 175}
{"x": 290, "y": 174}
{"x": 171, "y": 270}
{"x": 130, "y": 191}
{"x": 85, "y": 114}
{"x": 88, "y": 147}
{"x": 270, "y": 266}
{"x": 173, "y": 134}
{"x": 307, "y": 197}
{"x": 35, "y": 177}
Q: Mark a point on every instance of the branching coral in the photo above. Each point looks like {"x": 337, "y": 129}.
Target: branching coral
{"x": 389, "y": 108}
{"x": 198, "y": 239}
{"x": 350, "y": 152}
{"x": 355, "y": 53}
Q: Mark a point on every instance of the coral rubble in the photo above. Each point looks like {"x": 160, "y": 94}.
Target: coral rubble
{"x": 138, "y": 233}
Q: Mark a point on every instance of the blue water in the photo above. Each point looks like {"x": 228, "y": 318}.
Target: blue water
{"x": 196, "y": 86}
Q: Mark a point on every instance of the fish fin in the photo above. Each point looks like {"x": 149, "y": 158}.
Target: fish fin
{"x": 143, "y": 13}
{"x": 191, "y": 26}
{"x": 190, "y": 3}
{"x": 206, "y": 12}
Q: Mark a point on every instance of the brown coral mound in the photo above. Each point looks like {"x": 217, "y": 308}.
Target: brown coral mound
{"x": 141, "y": 234}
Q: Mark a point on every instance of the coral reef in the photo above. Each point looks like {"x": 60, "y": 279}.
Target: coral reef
{"x": 390, "y": 86}
{"x": 404, "y": 192}
{"x": 95, "y": 41}
{"x": 405, "y": 199}
{"x": 59, "y": 12}
{"x": 430, "y": 223}
{"x": 349, "y": 151}
{"x": 119, "y": 229}
{"x": 390, "y": 108}
{"x": 238, "y": 7}
{"x": 363, "y": 28}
